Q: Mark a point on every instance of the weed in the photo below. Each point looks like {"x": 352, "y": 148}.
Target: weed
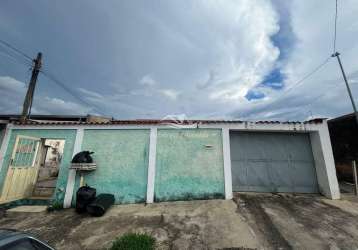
{"x": 133, "y": 241}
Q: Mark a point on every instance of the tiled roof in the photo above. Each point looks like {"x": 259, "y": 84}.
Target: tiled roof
{"x": 161, "y": 122}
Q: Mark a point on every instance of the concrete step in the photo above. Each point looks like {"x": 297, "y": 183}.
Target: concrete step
{"x": 49, "y": 182}
{"x": 43, "y": 191}
{"x": 27, "y": 209}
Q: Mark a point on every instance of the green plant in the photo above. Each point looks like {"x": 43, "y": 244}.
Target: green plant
{"x": 55, "y": 206}
{"x": 133, "y": 241}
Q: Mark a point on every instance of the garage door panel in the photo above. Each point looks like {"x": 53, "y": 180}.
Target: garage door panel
{"x": 298, "y": 147}
{"x": 272, "y": 162}
{"x": 258, "y": 174}
{"x": 301, "y": 170}
{"x": 252, "y": 174}
{"x": 239, "y": 174}
{"x": 281, "y": 175}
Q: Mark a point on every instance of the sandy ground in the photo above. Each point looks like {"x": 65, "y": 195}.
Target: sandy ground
{"x": 250, "y": 221}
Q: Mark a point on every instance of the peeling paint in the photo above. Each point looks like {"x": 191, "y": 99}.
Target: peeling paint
{"x": 122, "y": 163}
{"x": 186, "y": 168}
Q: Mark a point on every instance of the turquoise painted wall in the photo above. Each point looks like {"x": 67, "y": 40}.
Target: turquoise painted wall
{"x": 68, "y": 135}
{"x": 187, "y": 167}
{"x": 122, "y": 163}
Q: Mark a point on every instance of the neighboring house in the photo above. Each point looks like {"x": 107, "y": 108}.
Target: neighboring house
{"x": 344, "y": 136}
{"x": 164, "y": 160}
{"x": 2, "y": 131}
{"x": 56, "y": 118}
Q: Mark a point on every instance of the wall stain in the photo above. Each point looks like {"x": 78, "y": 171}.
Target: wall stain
{"x": 186, "y": 169}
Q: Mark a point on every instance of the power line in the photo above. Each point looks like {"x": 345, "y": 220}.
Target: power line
{"x": 317, "y": 98}
{"x": 308, "y": 75}
{"x": 68, "y": 90}
{"x": 305, "y": 77}
{"x": 15, "y": 59}
{"x": 50, "y": 76}
{"x": 337, "y": 55}
{"x": 8, "y": 45}
{"x": 335, "y": 28}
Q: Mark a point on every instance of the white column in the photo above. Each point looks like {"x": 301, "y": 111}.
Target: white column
{"x": 151, "y": 164}
{"x": 227, "y": 163}
{"x": 324, "y": 162}
{"x": 72, "y": 173}
{"x": 5, "y": 143}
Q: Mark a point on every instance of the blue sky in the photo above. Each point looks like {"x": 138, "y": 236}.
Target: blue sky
{"x": 201, "y": 59}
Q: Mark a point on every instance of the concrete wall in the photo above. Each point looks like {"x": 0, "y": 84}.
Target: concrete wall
{"x": 324, "y": 163}
{"x": 67, "y": 135}
{"x": 189, "y": 164}
{"x": 2, "y": 133}
{"x": 122, "y": 163}
{"x": 183, "y": 164}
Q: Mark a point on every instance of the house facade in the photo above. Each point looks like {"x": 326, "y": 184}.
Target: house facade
{"x": 344, "y": 134}
{"x": 154, "y": 160}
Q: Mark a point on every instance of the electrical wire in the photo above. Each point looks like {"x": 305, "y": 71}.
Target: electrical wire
{"x": 28, "y": 61}
{"x": 308, "y": 75}
{"x": 318, "y": 67}
{"x": 51, "y": 77}
{"x": 15, "y": 59}
{"x": 304, "y": 78}
{"x": 8, "y": 45}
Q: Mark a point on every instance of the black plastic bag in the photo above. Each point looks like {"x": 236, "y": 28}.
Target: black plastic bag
{"x": 84, "y": 196}
{"x": 100, "y": 205}
{"x": 83, "y": 157}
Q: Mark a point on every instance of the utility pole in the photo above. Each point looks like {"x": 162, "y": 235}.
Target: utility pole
{"x": 31, "y": 89}
{"x": 347, "y": 85}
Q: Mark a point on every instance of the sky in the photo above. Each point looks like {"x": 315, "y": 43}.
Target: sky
{"x": 202, "y": 59}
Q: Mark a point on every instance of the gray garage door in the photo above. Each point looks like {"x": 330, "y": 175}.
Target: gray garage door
{"x": 272, "y": 162}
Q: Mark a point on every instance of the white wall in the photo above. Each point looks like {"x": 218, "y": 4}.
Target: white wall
{"x": 324, "y": 163}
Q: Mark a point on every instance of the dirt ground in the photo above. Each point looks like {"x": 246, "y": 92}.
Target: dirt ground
{"x": 300, "y": 221}
{"x": 175, "y": 225}
{"x": 250, "y": 221}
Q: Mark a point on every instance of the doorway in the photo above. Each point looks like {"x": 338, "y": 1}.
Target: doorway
{"x": 49, "y": 168}
{"x": 33, "y": 168}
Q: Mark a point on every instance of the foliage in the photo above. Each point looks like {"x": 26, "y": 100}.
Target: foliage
{"x": 133, "y": 241}
{"x": 55, "y": 206}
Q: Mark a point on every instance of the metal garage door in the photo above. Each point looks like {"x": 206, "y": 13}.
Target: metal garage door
{"x": 272, "y": 162}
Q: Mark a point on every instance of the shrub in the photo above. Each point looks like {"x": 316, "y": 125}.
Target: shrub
{"x": 133, "y": 241}
{"x": 55, "y": 206}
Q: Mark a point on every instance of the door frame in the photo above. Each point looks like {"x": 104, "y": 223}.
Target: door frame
{"x": 11, "y": 169}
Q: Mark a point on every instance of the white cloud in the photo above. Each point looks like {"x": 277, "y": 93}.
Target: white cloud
{"x": 13, "y": 93}
{"x": 90, "y": 94}
{"x": 208, "y": 54}
{"x": 12, "y": 85}
{"x": 147, "y": 80}
{"x": 324, "y": 92}
{"x": 170, "y": 93}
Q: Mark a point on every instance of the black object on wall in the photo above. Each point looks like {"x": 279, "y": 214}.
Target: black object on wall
{"x": 83, "y": 157}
